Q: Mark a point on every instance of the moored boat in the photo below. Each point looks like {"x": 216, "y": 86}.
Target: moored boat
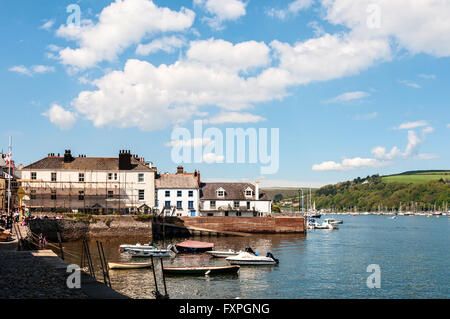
{"x": 192, "y": 246}
{"x": 113, "y": 265}
{"x": 148, "y": 250}
{"x": 248, "y": 259}
{"x": 201, "y": 270}
{"x": 223, "y": 253}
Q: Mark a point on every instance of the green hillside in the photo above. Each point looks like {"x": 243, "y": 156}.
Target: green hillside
{"x": 417, "y": 176}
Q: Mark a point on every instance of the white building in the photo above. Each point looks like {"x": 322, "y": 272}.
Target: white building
{"x": 89, "y": 184}
{"x": 233, "y": 199}
{"x": 178, "y": 194}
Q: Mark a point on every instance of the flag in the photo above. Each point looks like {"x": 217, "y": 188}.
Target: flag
{"x": 8, "y": 158}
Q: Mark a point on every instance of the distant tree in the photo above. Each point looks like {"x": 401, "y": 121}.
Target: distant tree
{"x": 276, "y": 209}
{"x": 277, "y": 198}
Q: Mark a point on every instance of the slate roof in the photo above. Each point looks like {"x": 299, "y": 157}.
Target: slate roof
{"x": 171, "y": 181}
{"x": 233, "y": 191}
{"x": 85, "y": 163}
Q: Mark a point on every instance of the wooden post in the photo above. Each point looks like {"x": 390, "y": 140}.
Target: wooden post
{"x": 60, "y": 245}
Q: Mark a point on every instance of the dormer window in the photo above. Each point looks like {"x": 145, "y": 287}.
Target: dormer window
{"x": 248, "y": 192}
{"x": 220, "y": 192}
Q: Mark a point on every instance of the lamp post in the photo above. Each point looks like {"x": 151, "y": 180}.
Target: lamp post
{"x": 303, "y": 207}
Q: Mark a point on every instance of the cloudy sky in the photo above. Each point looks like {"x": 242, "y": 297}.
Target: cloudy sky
{"x": 356, "y": 87}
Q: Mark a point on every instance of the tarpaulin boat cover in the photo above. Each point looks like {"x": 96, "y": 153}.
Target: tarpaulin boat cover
{"x": 195, "y": 244}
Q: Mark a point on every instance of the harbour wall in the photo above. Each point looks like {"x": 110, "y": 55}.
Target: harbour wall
{"x": 107, "y": 226}
{"x": 254, "y": 225}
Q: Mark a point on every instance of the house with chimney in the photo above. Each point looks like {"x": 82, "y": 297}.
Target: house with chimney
{"x": 233, "y": 199}
{"x": 178, "y": 194}
{"x": 102, "y": 185}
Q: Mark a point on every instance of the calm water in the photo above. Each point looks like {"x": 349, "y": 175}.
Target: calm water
{"x": 412, "y": 251}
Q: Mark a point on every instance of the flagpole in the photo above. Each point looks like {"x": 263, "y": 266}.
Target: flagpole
{"x": 9, "y": 176}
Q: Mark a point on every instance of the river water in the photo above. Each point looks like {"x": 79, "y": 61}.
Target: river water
{"x": 411, "y": 251}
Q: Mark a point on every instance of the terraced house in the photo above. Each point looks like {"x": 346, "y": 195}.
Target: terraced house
{"x": 178, "y": 194}
{"x": 102, "y": 185}
{"x": 233, "y": 199}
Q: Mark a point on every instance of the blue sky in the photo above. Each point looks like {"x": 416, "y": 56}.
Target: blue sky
{"x": 354, "y": 89}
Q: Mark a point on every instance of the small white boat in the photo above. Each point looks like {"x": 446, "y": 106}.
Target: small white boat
{"x": 330, "y": 223}
{"x": 223, "y": 253}
{"x": 139, "y": 250}
{"x": 248, "y": 259}
{"x": 112, "y": 265}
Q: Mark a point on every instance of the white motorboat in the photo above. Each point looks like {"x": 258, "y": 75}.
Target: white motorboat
{"x": 248, "y": 259}
{"x": 330, "y": 223}
{"x": 148, "y": 250}
{"x": 223, "y": 253}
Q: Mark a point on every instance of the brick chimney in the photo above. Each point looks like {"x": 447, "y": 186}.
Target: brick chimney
{"x": 124, "y": 160}
{"x": 67, "y": 156}
{"x": 180, "y": 170}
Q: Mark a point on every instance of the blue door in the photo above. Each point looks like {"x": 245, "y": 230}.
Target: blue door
{"x": 193, "y": 212}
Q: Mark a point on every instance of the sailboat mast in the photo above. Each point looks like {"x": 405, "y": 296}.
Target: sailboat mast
{"x": 9, "y": 174}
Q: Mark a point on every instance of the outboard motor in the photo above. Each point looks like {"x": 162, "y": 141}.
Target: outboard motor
{"x": 172, "y": 248}
{"x": 271, "y": 256}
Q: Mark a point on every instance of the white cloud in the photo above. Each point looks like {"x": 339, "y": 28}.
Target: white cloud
{"x": 329, "y": 57}
{"x": 235, "y": 117}
{"x": 348, "y": 96}
{"x": 30, "y": 71}
{"x": 240, "y": 56}
{"x": 222, "y": 10}
{"x": 121, "y": 24}
{"x": 410, "y": 84}
{"x": 349, "y": 164}
{"x": 367, "y": 116}
{"x": 381, "y": 157}
{"x": 60, "y": 117}
{"x": 194, "y": 142}
{"x": 166, "y": 44}
{"x": 427, "y": 156}
{"x": 448, "y": 125}
{"x": 20, "y": 69}
{"x": 47, "y": 25}
{"x": 411, "y": 125}
{"x": 213, "y": 158}
{"x": 417, "y": 26}
{"x": 428, "y": 76}
{"x": 292, "y": 9}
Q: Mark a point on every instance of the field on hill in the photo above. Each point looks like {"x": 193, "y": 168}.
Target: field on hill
{"x": 417, "y": 177}
{"x": 285, "y": 191}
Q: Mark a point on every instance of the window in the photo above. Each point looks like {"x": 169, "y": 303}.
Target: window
{"x": 33, "y": 175}
{"x": 248, "y": 192}
{"x": 112, "y": 176}
{"x": 53, "y": 177}
{"x": 220, "y": 193}
{"x": 110, "y": 194}
{"x": 81, "y": 177}
{"x": 140, "y": 178}
{"x": 179, "y": 193}
{"x": 190, "y": 204}
{"x": 238, "y": 214}
{"x": 167, "y": 193}
{"x": 33, "y": 194}
{"x": 179, "y": 204}
{"x": 212, "y": 204}
{"x": 53, "y": 195}
{"x": 80, "y": 195}
{"x": 236, "y": 204}
{"x": 191, "y": 194}
{"x": 248, "y": 205}
{"x": 141, "y": 194}
{"x": 167, "y": 203}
